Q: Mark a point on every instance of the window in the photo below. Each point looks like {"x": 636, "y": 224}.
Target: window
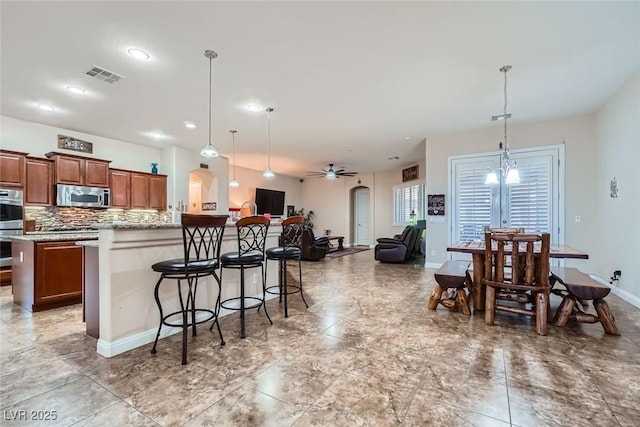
{"x": 534, "y": 204}
{"x": 408, "y": 198}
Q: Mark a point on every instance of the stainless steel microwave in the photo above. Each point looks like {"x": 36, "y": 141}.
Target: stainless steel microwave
{"x": 84, "y": 197}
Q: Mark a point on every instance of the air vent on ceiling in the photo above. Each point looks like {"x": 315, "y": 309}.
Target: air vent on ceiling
{"x": 105, "y": 75}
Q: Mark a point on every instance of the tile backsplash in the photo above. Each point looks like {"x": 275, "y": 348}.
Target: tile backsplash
{"x": 62, "y": 217}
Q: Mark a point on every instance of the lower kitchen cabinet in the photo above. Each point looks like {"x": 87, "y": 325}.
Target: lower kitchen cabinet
{"x": 47, "y": 274}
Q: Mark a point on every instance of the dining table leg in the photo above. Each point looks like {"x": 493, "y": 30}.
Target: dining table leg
{"x": 477, "y": 289}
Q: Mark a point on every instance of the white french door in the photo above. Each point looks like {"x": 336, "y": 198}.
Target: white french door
{"x": 534, "y": 204}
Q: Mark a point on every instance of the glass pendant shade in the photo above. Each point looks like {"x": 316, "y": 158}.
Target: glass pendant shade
{"x": 233, "y": 183}
{"x": 513, "y": 176}
{"x": 268, "y": 173}
{"x": 331, "y": 174}
{"x": 492, "y": 178}
{"x": 209, "y": 150}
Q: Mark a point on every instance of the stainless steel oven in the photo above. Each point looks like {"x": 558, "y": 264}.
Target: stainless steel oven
{"x": 11, "y": 222}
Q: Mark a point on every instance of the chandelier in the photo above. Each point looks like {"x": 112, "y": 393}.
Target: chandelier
{"x": 209, "y": 150}
{"x": 508, "y": 168}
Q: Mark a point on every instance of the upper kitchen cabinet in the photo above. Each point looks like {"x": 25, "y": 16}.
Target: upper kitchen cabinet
{"x": 38, "y": 182}
{"x": 120, "y": 188}
{"x": 78, "y": 170}
{"x": 148, "y": 191}
{"x": 12, "y": 169}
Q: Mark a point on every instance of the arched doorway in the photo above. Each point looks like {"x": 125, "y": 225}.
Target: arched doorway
{"x": 361, "y": 215}
{"x": 202, "y": 189}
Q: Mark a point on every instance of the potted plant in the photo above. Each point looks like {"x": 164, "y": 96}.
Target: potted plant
{"x": 308, "y": 217}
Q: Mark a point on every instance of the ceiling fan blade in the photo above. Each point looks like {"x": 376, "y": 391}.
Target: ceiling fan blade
{"x": 347, "y": 173}
{"x": 316, "y": 173}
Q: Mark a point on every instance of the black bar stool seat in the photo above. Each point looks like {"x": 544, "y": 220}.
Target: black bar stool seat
{"x": 201, "y": 238}
{"x": 252, "y": 236}
{"x": 290, "y": 249}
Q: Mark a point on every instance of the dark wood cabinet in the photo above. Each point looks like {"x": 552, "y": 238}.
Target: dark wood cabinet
{"x": 120, "y": 184}
{"x": 96, "y": 173}
{"x": 78, "y": 170}
{"x": 139, "y": 190}
{"x": 47, "y": 274}
{"x": 158, "y": 192}
{"x": 38, "y": 182}
{"x": 12, "y": 169}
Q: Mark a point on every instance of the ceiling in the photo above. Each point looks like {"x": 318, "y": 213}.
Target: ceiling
{"x": 351, "y": 83}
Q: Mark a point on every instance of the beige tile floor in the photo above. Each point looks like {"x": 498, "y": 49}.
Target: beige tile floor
{"x": 367, "y": 352}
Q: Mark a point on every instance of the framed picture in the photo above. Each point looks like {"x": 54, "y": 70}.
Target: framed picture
{"x": 291, "y": 210}
{"x": 435, "y": 204}
{"x": 210, "y": 206}
{"x": 409, "y": 174}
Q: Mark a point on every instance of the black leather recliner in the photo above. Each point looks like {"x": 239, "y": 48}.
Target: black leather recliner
{"x": 398, "y": 249}
{"x": 313, "y": 249}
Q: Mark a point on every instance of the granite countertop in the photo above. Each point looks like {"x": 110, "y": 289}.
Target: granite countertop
{"x": 88, "y": 243}
{"x": 53, "y": 236}
{"x": 133, "y": 226}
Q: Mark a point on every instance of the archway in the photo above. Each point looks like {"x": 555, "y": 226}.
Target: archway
{"x": 202, "y": 190}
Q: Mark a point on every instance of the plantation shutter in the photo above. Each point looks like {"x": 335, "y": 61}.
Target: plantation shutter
{"x": 408, "y": 198}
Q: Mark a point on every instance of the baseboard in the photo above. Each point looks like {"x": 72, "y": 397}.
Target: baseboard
{"x": 625, "y": 295}
{"x": 433, "y": 265}
{"x": 113, "y": 348}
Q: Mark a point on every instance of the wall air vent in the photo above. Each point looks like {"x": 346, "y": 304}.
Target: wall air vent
{"x": 105, "y": 75}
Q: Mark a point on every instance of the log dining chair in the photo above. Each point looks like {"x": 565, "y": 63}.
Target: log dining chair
{"x": 289, "y": 249}
{"x": 252, "y": 236}
{"x": 201, "y": 239}
{"x": 526, "y": 289}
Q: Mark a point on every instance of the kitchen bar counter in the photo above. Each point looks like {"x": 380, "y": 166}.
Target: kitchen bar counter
{"x": 129, "y": 315}
{"x": 56, "y": 236}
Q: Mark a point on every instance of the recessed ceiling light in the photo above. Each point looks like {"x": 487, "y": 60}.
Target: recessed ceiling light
{"x": 76, "y": 90}
{"x": 189, "y": 125}
{"x": 45, "y": 107}
{"x": 254, "y": 107}
{"x": 138, "y": 53}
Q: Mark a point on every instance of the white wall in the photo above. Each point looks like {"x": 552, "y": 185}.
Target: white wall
{"x": 578, "y": 134}
{"x": 330, "y": 200}
{"x": 617, "y": 230}
{"x": 37, "y": 140}
{"x": 250, "y": 179}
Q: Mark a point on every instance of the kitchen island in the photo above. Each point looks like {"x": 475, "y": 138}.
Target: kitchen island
{"x": 129, "y": 315}
{"x": 47, "y": 269}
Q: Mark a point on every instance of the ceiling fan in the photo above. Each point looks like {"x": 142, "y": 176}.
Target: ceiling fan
{"x": 332, "y": 173}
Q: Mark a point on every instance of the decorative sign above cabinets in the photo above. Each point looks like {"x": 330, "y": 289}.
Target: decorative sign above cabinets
{"x": 69, "y": 143}
{"x": 409, "y": 174}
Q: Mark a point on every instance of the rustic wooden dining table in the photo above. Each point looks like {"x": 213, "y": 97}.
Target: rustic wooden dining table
{"x": 476, "y": 249}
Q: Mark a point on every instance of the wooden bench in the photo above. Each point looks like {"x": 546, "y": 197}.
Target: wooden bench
{"x": 582, "y": 287}
{"x": 452, "y": 274}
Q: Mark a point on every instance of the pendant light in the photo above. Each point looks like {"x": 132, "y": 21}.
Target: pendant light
{"x": 233, "y": 182}
{"x": 508, "y": 169}
{"x": 269, "y": 173}
{"x": 209, "y": 150}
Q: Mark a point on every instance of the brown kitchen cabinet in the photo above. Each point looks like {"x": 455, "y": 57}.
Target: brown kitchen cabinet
{"x": 158, "y": 192}
{"x": 38, "y": 182}
{"x": 47, "y": 274}
{"x": 120, "y": 184}
{"x": 78, "y": 170}
{"x": 148, "y": 191}
{"x": 12, "y": 169}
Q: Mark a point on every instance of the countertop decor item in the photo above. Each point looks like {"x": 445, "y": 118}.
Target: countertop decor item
{"x": 154, "y": 168}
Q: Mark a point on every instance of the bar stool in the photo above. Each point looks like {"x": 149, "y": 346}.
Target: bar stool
{"x": 289, "y": 250}
{"x": 201, "y": 239}
{"x": 252, "y": 236}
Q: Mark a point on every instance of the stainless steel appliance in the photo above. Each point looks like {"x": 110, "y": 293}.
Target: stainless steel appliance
{"x": 11, "y": 222}
{"x": 84, "y": 197}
